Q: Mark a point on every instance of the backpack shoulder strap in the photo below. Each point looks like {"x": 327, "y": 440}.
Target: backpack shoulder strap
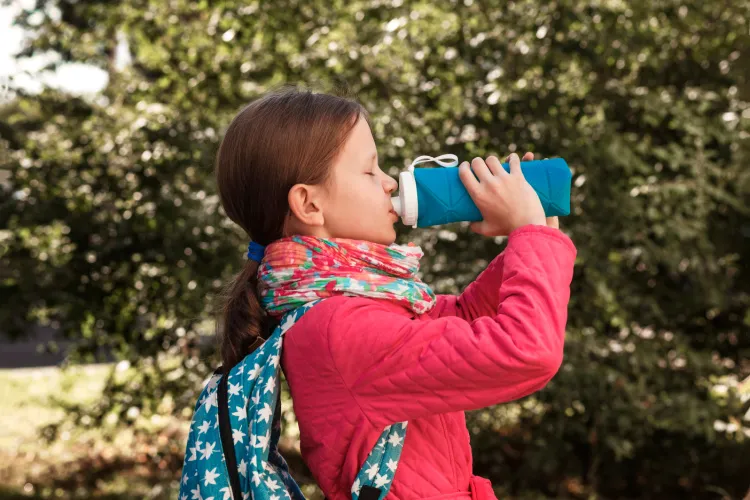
{"x": 376, "y": 475}
{"x": 228, "y": 445}
{"x": 225, "y": 432}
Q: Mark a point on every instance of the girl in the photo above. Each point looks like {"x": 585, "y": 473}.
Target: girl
{"x": 299, "y": 173}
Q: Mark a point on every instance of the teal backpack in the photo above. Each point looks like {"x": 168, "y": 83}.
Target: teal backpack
{"x": 232, "y": 448}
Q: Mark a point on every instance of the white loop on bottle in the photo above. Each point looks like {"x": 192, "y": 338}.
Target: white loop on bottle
{"x": 441, "y": 160}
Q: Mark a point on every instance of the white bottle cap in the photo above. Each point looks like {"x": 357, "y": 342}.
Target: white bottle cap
{"x": 406, "y": 204}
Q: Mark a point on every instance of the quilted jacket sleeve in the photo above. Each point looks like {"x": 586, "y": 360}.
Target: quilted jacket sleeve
{"x": 398, "y": 368}
{"x": 480, "y": 298}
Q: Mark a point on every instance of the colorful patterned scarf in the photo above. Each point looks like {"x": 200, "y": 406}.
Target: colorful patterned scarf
{"x": 299, "y": 269}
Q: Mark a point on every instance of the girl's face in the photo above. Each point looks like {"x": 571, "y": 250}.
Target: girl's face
{"x": 356, "y": 202}
{"x": 359, "y": 194}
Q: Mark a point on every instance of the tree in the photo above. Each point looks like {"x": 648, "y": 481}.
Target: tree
{"x": 112, "y": 229}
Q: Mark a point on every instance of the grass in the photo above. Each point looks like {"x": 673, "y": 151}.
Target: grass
{"x": 79, "y": 464}
{"x": 25, "y": 394}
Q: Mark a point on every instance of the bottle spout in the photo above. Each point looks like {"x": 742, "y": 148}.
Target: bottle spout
{"x": 396, "y": 202}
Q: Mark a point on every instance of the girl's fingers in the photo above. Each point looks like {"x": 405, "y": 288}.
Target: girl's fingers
{"x": 480, "y": 169}
{"x": 493, "y": 163}
{"x": 527, "y": 157}
{"x": 515, "y": 165}
{"x": 467, "y": 177}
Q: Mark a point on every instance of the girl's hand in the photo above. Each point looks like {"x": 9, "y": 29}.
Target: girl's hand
{"x": 551, "y": 221}
{"x": 505, "y": 200}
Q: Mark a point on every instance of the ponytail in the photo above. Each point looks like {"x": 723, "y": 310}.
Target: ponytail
{"x": 242, "y": 317}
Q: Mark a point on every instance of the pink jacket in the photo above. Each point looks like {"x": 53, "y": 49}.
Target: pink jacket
{"x": 356, "y": 365}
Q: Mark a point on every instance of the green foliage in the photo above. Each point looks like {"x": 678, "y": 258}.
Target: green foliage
{"x": 111, "y": 230}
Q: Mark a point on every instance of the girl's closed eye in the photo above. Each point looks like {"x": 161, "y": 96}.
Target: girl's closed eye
{"x": 373, "y": 165}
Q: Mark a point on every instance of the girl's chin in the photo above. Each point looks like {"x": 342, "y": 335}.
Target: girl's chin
{"x": 385, "y": 239}
{"x": 385, "y": 236}
{"x": 392, "y": 238}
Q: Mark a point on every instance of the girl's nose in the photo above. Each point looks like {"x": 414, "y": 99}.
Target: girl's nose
{"x": 390, "y": 184}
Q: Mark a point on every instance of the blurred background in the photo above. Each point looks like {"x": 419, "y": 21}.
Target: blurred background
{"x": 113, "y": 245}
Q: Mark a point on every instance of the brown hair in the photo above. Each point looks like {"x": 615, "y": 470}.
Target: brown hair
{"x": 287, "y": 137}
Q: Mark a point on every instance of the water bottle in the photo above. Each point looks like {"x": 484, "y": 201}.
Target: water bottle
{"x": 432, "y": 196}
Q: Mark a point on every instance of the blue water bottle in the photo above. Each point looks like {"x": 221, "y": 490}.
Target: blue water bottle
{"x": 433, "y": 196}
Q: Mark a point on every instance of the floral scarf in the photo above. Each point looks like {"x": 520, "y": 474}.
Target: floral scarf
{"x": 300, "y": 269}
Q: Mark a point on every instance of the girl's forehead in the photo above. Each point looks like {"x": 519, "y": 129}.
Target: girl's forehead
{"x": 361, "y": 133}
{"x": 360, "y": 146}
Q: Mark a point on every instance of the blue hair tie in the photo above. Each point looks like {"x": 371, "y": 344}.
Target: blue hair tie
{"x": 255, "y": 251}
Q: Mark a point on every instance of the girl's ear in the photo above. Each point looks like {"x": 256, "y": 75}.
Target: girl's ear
{"x": 306, "y": 204}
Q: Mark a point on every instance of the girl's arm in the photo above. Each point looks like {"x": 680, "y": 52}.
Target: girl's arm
{"x": 398, "y": 369}
{"x": 480, "y": 297}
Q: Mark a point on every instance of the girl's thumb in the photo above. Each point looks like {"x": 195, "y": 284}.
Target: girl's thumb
{"x": 479, "y": 227}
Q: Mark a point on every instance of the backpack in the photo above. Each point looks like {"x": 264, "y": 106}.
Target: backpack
{"x": 232, "y": 447}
